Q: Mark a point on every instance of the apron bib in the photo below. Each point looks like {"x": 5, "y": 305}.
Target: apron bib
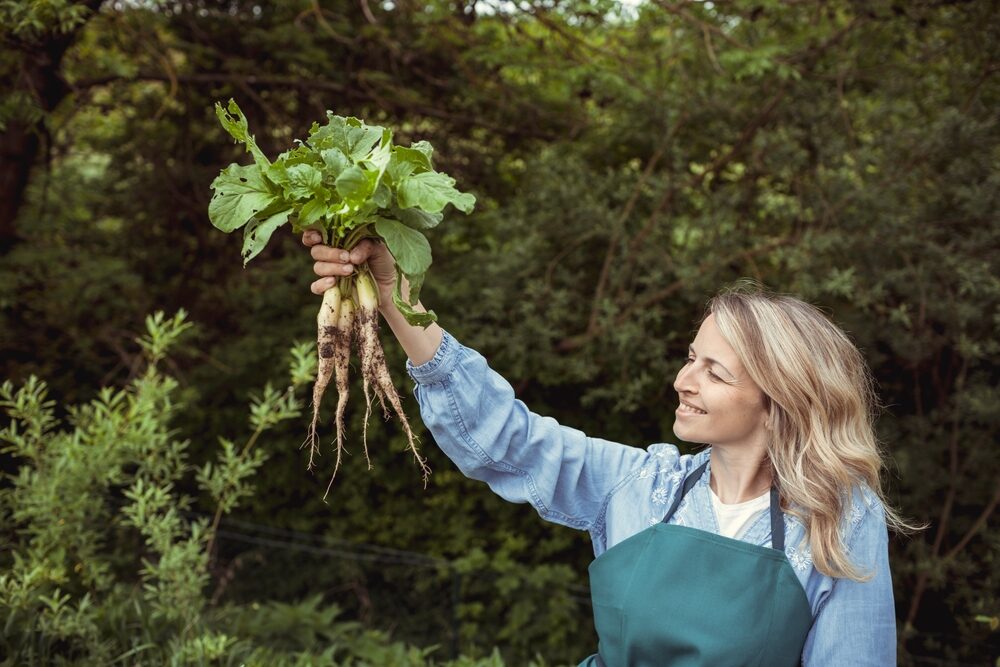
{"x": 675, "y": 596}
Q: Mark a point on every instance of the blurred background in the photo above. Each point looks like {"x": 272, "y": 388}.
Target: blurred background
{"x": 629, "y": 160}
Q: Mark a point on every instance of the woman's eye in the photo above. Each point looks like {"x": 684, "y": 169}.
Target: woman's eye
{"x": 712, "y": 375}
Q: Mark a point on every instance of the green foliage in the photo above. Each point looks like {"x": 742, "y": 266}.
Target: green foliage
{"x": 32, "y": 19}
{"x": 349, "y": 181}
{"x": 69, "y": 593}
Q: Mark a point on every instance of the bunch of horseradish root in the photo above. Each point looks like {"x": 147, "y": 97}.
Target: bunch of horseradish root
{"x": 349, "y": 182}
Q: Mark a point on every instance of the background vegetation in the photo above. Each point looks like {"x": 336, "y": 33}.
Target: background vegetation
{"x": 629, "y": 158}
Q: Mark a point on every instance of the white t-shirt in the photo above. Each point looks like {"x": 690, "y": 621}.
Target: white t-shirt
{"x": 734, "y": 519}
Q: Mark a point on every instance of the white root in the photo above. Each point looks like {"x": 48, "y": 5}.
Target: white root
{"x": 326, "y": 345}
{"x": 373, "y": 367}
{"x": 342, "y": 348}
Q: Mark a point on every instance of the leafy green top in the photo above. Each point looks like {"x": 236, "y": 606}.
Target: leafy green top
{"x": 348, "y": 181}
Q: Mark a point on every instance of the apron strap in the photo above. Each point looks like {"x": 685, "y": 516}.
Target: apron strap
{"x": 777, "y": 520}
{"x": 691, "y": 480}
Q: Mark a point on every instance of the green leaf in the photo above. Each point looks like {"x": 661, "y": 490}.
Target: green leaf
{"x": 240, "y": 193}
{"x": 235, "y": 123}
{"x": 420, "y": 160}
{"x": 382, "y": 197}
{"x": 378, "y": 162}
{"x": 350, "y": 135}
{"x": 278, "y": 171}
{"x": 304, "y": 181}
{"x": 428, "y": 151}
{"x": 416, "y": 282}
{"x": 416, "y": 218}
{"x": 335, "y": 160}
{"x": 380, "y": 156}
{"x": 406, "y": 161}
{"x": 412, "y": 316}
{"x": 353, "y": 185}
{"x": 328, "y": 136}
{"x": 258, "y": 233}
{"x": 361, "y": 138}
{"x": 311, "y": 212}
{"x": 432, "y": 191}
{"x": 399, "y": 169}
{"x": 408, "y": 246}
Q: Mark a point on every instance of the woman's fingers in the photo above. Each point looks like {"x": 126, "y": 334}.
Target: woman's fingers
{"x": 361, "y": 252}
{"x": 332, "y": 263}
{"x": 332, "y": 269}
{"x": 322, "y": 285}
{"x": 324, "y": 253}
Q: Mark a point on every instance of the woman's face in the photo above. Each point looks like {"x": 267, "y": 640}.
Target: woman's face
{"x": 713, "y": 380}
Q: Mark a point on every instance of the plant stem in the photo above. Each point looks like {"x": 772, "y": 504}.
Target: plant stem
{"x": 218, "y": 510}
{"x": 355, "y": 237}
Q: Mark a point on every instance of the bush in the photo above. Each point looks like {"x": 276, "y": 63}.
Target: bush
{"x": 103, "y": 563}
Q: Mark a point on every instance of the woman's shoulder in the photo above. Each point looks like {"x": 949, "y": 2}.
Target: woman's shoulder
{"x": 863, "y": 512}
{"x": 641, "y": 497}
{"x": 665, "y": 458}
{"x": 862, "y": 502}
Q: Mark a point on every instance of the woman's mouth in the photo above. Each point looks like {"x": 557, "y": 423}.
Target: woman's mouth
{"x": 688, "y": 410}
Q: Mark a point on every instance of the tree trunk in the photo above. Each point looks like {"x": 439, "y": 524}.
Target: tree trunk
{"x": 39, "y": 73}
{"x": 18, "y": 148}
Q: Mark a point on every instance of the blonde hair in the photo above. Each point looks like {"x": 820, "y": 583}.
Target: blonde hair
{"x": 822, "y": 406}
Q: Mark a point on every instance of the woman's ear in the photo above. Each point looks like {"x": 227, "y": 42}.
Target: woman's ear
{"x": 768, "y": 413}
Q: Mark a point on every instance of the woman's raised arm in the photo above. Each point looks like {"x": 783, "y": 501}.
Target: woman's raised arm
{"x": 471, "y": 411}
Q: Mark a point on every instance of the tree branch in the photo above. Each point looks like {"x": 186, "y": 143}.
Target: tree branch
{"x": 945, "y": 514}
{"x": 574, "y": 342}
{"x": 625, "y": 213}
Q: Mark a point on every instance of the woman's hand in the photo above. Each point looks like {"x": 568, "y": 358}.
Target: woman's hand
{"x": 332, "y": 263}
{"x": 420, "y": 343}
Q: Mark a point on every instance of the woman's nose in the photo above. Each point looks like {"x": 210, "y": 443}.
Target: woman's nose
{"x": 683, "y": 382}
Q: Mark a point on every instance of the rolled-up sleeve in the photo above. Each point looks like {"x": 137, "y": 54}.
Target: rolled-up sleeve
{"x": 491, "y": 436}
{"x": 856, "y": 625}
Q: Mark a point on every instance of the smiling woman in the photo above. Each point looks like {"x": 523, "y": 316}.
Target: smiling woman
{"x": 799, "y": 406}
{"x": 694, "y": 566}
{"x": 720, "y": 405}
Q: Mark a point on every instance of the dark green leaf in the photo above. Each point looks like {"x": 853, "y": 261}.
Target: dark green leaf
{"x": 311, "y": 212}
{"x": 235, "y": 123}
{"x": 258, "y": 232}
{"x": 353, "y": 185}
{"x": 382, "y": 197}
{"x": 420, "y": 160}
{"x": 412, "y": 316}
{"x": 417, "y": 218}
{"x": 304, "y": 181}
{"x": 427, "y": 150}
{"x": 335, "y": 160}
{"x": 240, "y": 193}
{"x": 408, "y": 246}
{"x": 432, "y": 191}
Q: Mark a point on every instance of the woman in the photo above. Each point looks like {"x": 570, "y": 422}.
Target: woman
{"x": 769, "y": 547}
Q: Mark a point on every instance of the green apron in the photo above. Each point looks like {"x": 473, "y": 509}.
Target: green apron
{"x": 675, "y": 596}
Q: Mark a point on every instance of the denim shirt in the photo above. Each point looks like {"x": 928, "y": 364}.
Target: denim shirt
{"x": 613, "y": 491}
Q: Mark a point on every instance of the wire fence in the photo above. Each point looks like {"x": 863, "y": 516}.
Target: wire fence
{"x": 437, "y": 601}
{"x": 387, "y": 583}
{"x": 272, "y": 537}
